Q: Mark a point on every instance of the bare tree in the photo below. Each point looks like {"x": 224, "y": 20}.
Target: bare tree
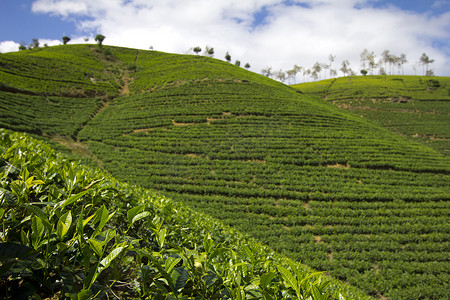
{"x": 345, "y": 67}
{"x": 371, "y": 61}
{"x": 291, "y": 74}
{"x": 402, "y": 61}
{"x": 425, "y": 61}
{"x": 35, "y": 43}
{"x": 364, "y": 59}
{"x": 315, "y": 75}
{"x": 333, "y": 73}
{"x": 267, "y": 71}
{"x": 317, "y": 67}
{"x": 393, "y": 61}
{"x": 280, "y": 75}
{"x": 325, "y": 67}
{"x": 306, "y": 72}
{"x": 331, "y": 58}
{"x": 385, "y": 58}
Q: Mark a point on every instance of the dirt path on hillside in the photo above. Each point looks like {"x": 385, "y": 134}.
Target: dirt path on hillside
{"x": 76, "y": 147}
{"x": 125, "y": 90}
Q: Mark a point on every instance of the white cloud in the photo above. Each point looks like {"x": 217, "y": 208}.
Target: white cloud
{"x": 63, "y": 8}
{"x": 298, "y": 32}
{"x": 9, "y": 46}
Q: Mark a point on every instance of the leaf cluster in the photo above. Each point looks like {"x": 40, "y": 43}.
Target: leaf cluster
{"x": 68, "y": 231}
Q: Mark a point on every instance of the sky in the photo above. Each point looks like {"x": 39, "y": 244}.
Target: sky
{"x": 265, "y": 33}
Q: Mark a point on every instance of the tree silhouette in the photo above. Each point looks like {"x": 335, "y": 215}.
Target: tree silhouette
{"x": 65, "y": 39}
{"x": 99, "y": 39}
{"x": 209, "y": 51}
{"x": 197, "y": 50}
{"x": 247, "y": 66}
{"x": 228, "y": 57}
{"x": 35, "y": 43}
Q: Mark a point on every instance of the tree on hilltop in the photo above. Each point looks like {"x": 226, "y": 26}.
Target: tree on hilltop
{"x": 331, "y": 58}
{"x": 267, "y": 71}
{"x": 237, "y": 63}
{"x": 402, "y": 61}
{"x": 280, "y": 75}
{"x": 65, "y": 39}
{"x": 385, "y": 57}
{"x": 291, "y": 74}
{"x": 425, "y": 61}
{"x": 228, "y": 57}
{"x": 364, "y": 58}
{"x": 209, "y": 51}
{"x": 247, "y": 66}
{"x": 99, "y": 39}
{"x": 22, "y": 46}
{"x": 306, "y": 72}
{"x": 317, "y": 67}
{"x": 35, "y": 43}
{"x": 197, "y": 50}
{"x": 345, "y": 67}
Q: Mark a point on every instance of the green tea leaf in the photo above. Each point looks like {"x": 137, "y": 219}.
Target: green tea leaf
{"x": 97, "y": 246}
{"x": 208, "y": 243}
{"x": 140, "y": 216}
{"x": 37, "y": 231}
{"x": 64, "y": 223}
{"x": 111, "y": 256}
{"x": 131, "y": 213}
{"x": 170, "y": 263}
{"x": 161, "y": 237}
{"x": 72, "y": 199}
{"x": 315, "y": 292}
{"x": 181, "y": 278}
{"x": 101, "y": 217}
{"x": 266, "y": 279}
{"x": 38, "y": 212}
{"x": 288, "y": 278}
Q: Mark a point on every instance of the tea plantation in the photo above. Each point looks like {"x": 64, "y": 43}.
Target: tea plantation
{"x": 314, "y": 182}
{"x": 413, "y": 106}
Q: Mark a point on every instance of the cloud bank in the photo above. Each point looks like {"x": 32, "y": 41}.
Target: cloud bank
{"x": 276, "y": 33}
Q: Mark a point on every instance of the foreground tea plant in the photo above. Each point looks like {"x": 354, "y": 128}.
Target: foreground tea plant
{"x": 71, "y": 233}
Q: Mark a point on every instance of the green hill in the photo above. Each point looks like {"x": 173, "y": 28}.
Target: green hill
{"x": 312, "y": 181}
{"x": 413, "y": 106}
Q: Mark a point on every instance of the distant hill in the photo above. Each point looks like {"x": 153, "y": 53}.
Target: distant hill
{"x": 316, "y": 183}
{"x": 414, "y": 106}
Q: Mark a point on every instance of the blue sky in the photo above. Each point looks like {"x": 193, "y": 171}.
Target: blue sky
{"x": 19, "y": 23}
{"x": 276, "y": 33}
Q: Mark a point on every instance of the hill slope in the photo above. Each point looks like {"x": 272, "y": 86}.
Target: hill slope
{"x": 312, "y": 181}
{"x": 417, "y": 107}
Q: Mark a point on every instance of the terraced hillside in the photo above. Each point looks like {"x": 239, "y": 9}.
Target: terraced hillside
{"x": 314, "y": 182}
{"x": 413, "y": 106}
